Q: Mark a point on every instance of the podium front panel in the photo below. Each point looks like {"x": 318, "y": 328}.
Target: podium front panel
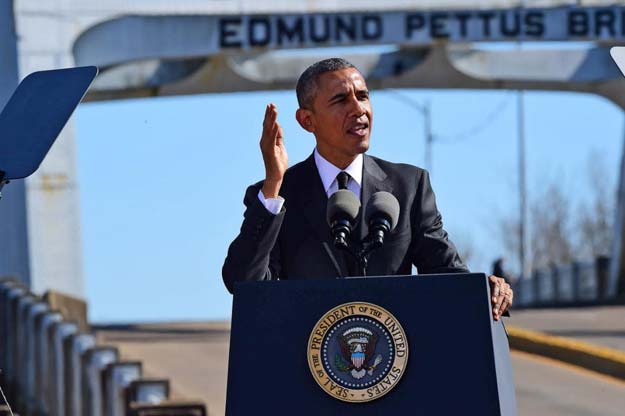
{"x": 451, "y": 367}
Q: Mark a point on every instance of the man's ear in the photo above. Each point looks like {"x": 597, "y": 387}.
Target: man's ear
{"x": 305, "y": 119}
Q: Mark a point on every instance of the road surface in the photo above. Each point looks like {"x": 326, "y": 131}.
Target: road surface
{"x": 194, "y": 356}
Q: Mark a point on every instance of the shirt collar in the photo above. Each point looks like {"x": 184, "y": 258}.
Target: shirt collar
{"x": 328, "y": 171}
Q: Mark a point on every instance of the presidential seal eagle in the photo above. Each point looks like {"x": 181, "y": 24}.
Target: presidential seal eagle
{"x": 357, "y": 347}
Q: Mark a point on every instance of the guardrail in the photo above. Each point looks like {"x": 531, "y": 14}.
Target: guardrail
{"x": 575, "y": 284}
{"x": 51, "y": 366}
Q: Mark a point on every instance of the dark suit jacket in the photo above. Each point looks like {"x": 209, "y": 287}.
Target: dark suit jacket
{"x": 297, "y": 243}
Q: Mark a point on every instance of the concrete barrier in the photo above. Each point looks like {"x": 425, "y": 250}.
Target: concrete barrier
{"x": 19, "y": 305}
{"x": 8, "y": 291}
{"x": 93, "y": 362}
{"x": 147, "y": 391}
{"x": 53, "y": 370}
{"x": 23, "y": 305}
{"x": 74, "y": 347}
{"x": 190, "y": 408}
{"x": 57, "y": 334}
{"x": 13, "y": 296}
{"x": 5, "y": 286}
{"x": 117, "y": 377}
{"x": 43, "y": 383}
{"x": 73, "y": 309}
{"x": 36, "y": 310}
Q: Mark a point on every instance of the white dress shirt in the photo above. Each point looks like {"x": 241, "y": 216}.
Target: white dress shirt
{"x": 327, "y": 172}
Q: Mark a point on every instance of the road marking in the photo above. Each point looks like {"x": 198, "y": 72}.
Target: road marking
{"x": 563, "y": 343}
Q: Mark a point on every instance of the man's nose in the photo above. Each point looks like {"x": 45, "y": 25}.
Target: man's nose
{"x": 356, "y": 107}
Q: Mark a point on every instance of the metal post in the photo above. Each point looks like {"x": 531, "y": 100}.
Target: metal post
{"x": 427, "y": 123}
{"x": 522, "y": 186}
{"x": 426, "y": 112}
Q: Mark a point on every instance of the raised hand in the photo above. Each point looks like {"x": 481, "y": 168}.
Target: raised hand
{"x": 274, "y": 153}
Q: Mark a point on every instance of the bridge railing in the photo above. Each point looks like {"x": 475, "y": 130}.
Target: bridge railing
{"x": 52, "y": 365}
{"x": 578, "y": 283}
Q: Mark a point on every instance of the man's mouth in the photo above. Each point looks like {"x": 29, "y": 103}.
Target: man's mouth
{"x": 359, "y": 129}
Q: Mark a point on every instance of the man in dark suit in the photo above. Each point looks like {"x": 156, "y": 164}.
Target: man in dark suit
{"x": 284, "y": 233}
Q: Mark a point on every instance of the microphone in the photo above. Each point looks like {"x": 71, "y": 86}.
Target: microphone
{"x": 342, "y": 210}
{"x": 382, "y": 216}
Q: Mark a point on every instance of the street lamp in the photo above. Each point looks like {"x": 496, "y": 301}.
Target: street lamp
{"x": 426, "y": 111}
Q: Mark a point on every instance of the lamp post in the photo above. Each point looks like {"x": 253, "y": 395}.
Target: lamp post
{"x": 522, "y": 185}
{"x": 425, "y": 110}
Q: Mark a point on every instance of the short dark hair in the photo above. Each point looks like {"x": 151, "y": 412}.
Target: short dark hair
{"x": 307, "y": 82}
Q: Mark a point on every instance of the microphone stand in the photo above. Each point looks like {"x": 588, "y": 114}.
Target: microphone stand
{"x": 369, "y": 244}
{"x": 384, "y": 209}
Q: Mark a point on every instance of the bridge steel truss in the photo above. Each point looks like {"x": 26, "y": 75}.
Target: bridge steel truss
{"x": 164, "y": 48}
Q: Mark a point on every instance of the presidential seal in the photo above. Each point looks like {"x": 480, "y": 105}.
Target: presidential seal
{"x": 357, "y": 352}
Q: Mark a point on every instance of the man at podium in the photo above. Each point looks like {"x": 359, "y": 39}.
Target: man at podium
{"x": 284, "y": 234}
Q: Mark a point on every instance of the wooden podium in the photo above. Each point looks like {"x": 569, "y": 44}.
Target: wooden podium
{"x": 405, "y": 345}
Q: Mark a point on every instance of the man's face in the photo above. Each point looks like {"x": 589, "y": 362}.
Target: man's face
{"x": 341, "y": 116}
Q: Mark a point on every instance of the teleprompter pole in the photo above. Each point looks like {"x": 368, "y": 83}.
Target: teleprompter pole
{"x": 2, "y": 181}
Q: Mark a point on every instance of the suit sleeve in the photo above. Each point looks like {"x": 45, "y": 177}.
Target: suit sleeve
{"x": 432, "y": 252}
{"x": 254, "y": 254}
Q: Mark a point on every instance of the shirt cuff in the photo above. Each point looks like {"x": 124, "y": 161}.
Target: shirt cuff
{"x": 273, "y": 205}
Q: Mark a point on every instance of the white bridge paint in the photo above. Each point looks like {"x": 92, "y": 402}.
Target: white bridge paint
{"x": 169, "y": 47}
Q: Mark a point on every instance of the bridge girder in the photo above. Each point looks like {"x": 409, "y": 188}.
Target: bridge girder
{"x": 174, "y": 55}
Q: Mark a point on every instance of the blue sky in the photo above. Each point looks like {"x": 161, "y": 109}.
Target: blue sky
{"x": 162, "y": 180}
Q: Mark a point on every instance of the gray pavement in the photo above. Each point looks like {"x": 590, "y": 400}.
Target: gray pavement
{"x": 548, "y": 388}
{"x": 599, "y": 325}
{"x": 194, "y": 356}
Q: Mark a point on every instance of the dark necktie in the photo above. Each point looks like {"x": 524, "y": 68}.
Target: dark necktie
{"x": 342, "y": 178}
{"x": 352, "y": 267}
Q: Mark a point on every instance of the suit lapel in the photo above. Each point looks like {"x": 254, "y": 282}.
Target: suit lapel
{"x": 312, "y": 202}
{"x": 312, "y": 199}
{"x": 373, "y": 180}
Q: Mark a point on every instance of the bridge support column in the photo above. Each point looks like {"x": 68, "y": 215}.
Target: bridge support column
{"x": 39, "y": 218}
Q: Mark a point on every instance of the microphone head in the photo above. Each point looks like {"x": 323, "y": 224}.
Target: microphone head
{"x": 342, "y": 205}
{"x": 383, "y": 204}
